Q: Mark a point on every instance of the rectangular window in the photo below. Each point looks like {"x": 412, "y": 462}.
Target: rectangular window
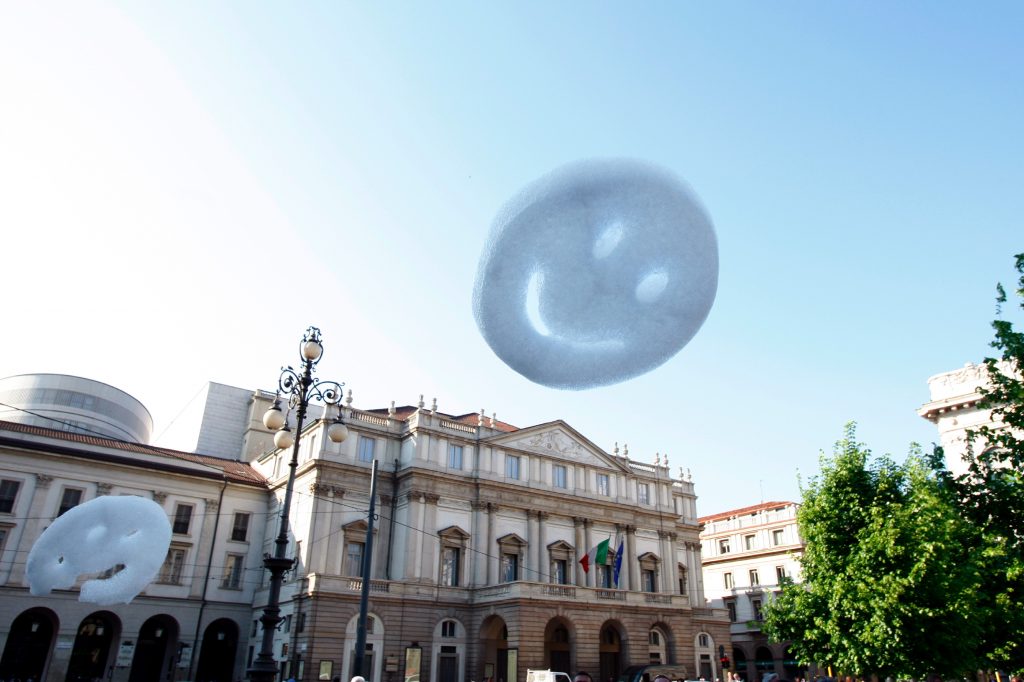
{"x": 754, "y": 578}
{"x": 604, "y": 577}
{"x": 8, "y": 494}
{"x": 728, "y": 581}
{"x": 648, "y": 580}
{"x": 300, "y": 626}
{"x": 454, "y": 456}
{"x": 643, "y": 493}
{"x": 170, "y": 572}
{"x": 780, "y": 574}
{"x": 182, "y": 518}
{"x": 366, "y": 446}
{"x": 558, "y": 474}
{"x": 512, "y": 467}
{"x": 602, "y": 485}
{"x": 748, "y": 542}
{"x": 509, "y": 568}
{"x": 723, "y": 546}
{"x": 756, "y": 603}
{"x": 448, "y": 628}
{"x": 3, "y": 539}
{"x": 777, "y": 537}
{"x": 354, "y": 559}
{"x": 69, "y": 499}
{"x": 287, "y": 623}
{"x": 731, "y": 605}
{"x": 561, "y": 572}
{"x": 240, "y": 527}
{"x": 450, "y": 566}
{"x": 233, "y": 572}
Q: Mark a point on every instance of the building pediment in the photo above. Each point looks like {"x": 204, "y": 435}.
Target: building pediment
{"x": 558, "y": 440}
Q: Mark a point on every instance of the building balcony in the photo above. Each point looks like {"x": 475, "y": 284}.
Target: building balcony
{"x": 519, "y": 590}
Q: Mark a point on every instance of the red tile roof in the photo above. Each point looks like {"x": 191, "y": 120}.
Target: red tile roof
{"x": 742, "y": 511}
{"x": 234, "y": 470}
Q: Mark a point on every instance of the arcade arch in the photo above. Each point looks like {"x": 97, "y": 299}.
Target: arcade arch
{"x": 29, "y": 644}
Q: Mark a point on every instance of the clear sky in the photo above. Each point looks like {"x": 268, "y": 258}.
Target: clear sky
{"x": 185, "y": 186}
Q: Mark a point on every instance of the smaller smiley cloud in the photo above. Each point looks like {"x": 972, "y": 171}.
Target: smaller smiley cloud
{"x": 598, "y": 272}
{"x": 99, "y": 535}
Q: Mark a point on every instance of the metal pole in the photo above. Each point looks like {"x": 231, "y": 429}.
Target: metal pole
{"x": 300, "y": 389}
{"x": 264, "y": 668}
{"x": 364, "y": 596}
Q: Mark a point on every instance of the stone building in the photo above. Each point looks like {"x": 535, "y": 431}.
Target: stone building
{"x": 954, "y": 410}
{"x": 192, "y": 621}
{"x": 478, "y": 533}
{"x": 475, "y": 553}
{"x": 747, "y": 553}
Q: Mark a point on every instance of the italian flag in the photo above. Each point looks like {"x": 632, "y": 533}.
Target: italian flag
{"x": 596, "y": 555}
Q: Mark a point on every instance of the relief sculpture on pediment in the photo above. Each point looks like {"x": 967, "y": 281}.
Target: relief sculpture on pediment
{"x": 554, "y": 442}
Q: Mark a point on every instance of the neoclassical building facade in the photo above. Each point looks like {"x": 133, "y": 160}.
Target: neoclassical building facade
{"x": 747, "y": 553}
{"x": 476, "y": 549}
{"x": 954, "y": 410}
{"x": 478, "y": 531}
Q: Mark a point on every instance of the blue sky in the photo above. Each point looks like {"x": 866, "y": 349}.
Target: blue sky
{"x": 185, "y": 187}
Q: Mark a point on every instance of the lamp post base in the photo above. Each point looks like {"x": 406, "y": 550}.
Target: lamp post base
{"x": 264, "y": 668}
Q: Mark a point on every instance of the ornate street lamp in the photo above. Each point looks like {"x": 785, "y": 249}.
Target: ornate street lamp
{"x": 298, "y": 389}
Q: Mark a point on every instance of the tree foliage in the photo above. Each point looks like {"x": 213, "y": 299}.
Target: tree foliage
{"x": 889, "y": 583}
{"x": 991, "y": 492}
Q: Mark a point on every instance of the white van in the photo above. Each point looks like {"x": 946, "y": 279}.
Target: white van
{"x": 546, "y": 676}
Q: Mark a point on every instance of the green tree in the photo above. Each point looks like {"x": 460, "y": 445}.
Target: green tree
{"x": 991, "y": 492}
{"x": 889, "y": 581}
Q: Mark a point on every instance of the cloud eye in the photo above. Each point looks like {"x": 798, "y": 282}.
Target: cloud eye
{"x": 608, "y": 240}
{"x": 651, "y": 286}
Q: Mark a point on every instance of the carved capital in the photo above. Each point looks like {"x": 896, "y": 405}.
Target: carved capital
{"x": 431, "y": 498}
{"x": 385, "y": 500}
{"x": 212, "y": 505}
{"x": 542, "y": 516}
{"x": 478, "y": 506}
{"x": 492, "y": 508}
{"x": 103, "y": 488}
{"x": 630, "y": 530}
{"x": 320, "y": 489}
{"x": 43, "y": 481}
{"x": 159, "y": 496}
{"x": 578, "y": 521}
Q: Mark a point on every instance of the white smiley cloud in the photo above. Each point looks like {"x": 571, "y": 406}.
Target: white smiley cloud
{"x": 99, "y": 535}
{"x": 596, "y": 273}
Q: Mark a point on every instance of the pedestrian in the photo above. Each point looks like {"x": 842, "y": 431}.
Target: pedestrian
{"x": 583, "y": 676}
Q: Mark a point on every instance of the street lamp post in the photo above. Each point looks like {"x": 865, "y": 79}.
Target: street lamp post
{"x": 299, "y": 388}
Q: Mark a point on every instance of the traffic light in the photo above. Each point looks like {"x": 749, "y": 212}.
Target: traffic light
{"x": 724, "y": 660}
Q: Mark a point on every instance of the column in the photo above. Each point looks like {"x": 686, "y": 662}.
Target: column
{"x": 543, "y": 560}
{"x": 631, "y": 558}
{"x": 696, "y": 577}
{"x": 382, "y": 537}
{"x": 477, "y": 546}
{"x": 532, "y": 571}
{"x": 428, "y": 538}
{"x": 491, "y": 552}
{"x": 667, "y": 561}
{"x": 588, "y": 543}
{"x": 577, "y": 524}
{"x": 412, "y": 563}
